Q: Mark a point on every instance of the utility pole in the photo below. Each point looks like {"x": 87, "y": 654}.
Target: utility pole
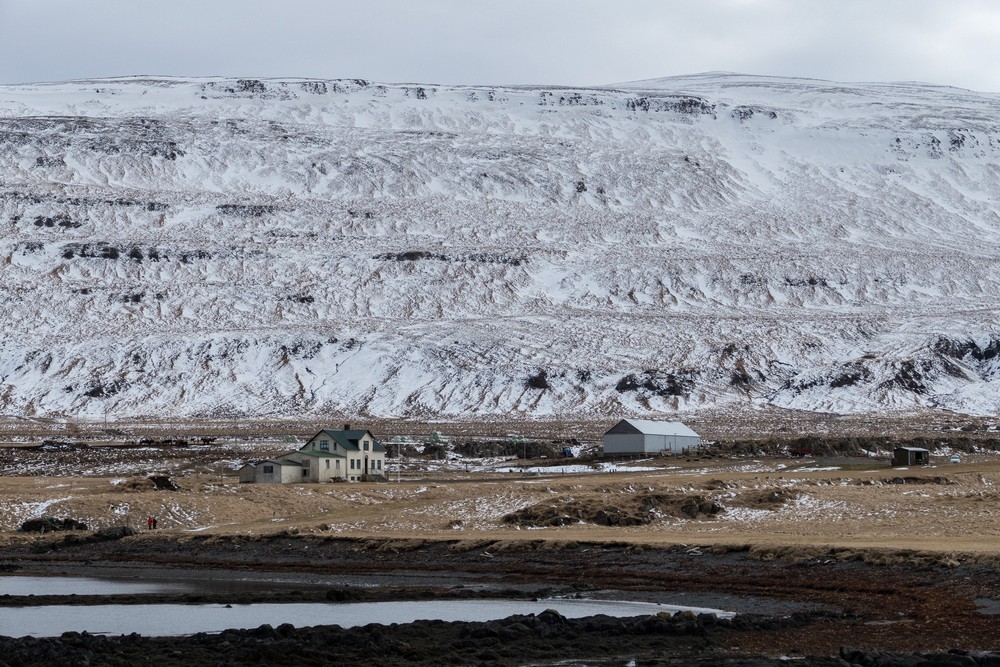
{"x": 515, "y": 438}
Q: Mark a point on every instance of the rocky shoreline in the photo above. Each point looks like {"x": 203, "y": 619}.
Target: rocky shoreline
{"x": 897, "y": 608}
{"x": 547, "y": 638}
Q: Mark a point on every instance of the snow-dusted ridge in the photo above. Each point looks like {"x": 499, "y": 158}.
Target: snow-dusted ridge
{"x": 214, "y": 247}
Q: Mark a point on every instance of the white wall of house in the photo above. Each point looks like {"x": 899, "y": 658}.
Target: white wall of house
{"x": 374, "y": 460}
{"x": 323, "y": 468}
{"x": 353, "y": 464}
{"x": 330, "y": 467}
{"x": 320, "y": 468}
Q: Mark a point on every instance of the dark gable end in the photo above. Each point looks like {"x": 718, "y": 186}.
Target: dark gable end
{"x": 623, "y": 427}
{"x": 356, "y": 436}
{"x": 348, "y": 439}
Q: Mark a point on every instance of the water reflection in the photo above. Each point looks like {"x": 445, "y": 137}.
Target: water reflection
{"x": 176, "y": 619}
{"x": 14, "y": 585}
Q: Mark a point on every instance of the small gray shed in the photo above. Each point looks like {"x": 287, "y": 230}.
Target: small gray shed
{"x": 645, "y": 436}
{"x": 248, "y": 474}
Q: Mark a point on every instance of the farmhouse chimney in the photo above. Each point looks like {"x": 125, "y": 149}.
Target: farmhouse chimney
{"x": 347, "y": 427}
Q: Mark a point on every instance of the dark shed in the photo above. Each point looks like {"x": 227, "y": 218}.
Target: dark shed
{"x": 910, "y": 456}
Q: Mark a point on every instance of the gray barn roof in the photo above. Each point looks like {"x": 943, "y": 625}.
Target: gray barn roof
{"x": 651, "y": 427}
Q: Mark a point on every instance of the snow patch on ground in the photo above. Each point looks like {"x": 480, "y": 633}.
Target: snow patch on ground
{"x": 18, "y": 513}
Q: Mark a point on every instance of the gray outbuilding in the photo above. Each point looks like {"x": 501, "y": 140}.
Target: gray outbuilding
{"x": 248, "y": 474}
{"x": 275, "y": 471}
{"x": 645, "y": 436}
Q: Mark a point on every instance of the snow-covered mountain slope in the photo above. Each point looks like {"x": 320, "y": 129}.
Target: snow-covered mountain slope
{"x": 211, "y": 247}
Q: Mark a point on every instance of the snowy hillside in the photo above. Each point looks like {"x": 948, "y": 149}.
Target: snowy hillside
{"x": 210, "y": 247}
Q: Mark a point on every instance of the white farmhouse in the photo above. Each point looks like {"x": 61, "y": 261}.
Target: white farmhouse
{"x": 349, "y": 455}
{"x": 645, "y": 436}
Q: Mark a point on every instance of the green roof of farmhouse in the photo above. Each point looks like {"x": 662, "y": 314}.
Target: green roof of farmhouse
{"x": 349, "y": 439}
{"x": 321, "y": 455}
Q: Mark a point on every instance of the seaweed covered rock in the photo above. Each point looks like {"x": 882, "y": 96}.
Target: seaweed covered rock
{"x": 50, "y": 524}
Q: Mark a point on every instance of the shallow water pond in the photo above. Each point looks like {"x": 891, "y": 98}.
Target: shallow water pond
{"x": 178, "y": 619}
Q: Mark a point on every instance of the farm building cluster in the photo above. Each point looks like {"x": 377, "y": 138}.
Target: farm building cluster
{"x": 355, "y": 455}
{"x": 347, "y": 455}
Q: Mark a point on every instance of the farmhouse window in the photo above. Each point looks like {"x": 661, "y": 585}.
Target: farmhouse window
{"x": 365, "y": 443}
{"x": 328, "y": 464}
{"x": 324, "y": 445}
{"x": 268, "y": 470}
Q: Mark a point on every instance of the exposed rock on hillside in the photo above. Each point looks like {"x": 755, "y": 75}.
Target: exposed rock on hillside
{"x": 230, "y": 248}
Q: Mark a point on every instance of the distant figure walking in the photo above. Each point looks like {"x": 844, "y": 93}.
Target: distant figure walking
{"x": 149, "y": 522}
{"x": 154, "y": 523}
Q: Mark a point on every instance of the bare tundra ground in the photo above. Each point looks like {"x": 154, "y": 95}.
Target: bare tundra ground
{"x": 942, "y": 507}
{"x": 97, "y": 474}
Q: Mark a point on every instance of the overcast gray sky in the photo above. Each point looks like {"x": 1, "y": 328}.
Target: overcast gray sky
{"x": 570, "y": 42}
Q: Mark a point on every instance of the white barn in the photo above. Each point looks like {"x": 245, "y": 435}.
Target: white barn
{"x": 645, "y": 436}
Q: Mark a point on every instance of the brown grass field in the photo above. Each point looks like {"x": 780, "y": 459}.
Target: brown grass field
{"x": 857, "y": 503}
